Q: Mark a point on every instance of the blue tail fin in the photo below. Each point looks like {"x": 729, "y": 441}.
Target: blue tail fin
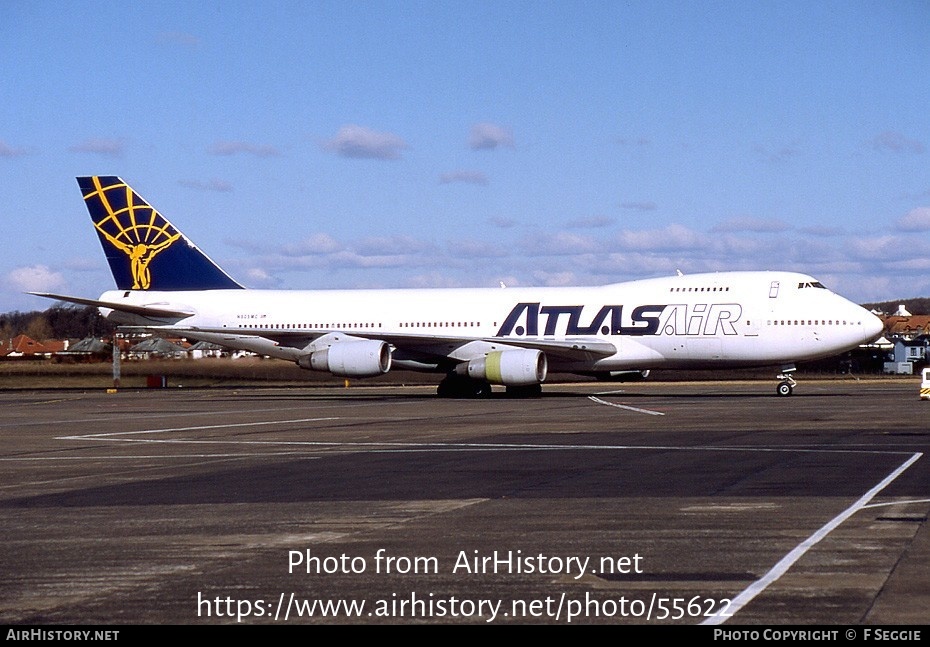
{"x": 144, "y": 250}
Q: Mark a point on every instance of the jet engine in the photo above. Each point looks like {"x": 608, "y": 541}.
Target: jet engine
{"x": 508, "y": 367}
{"x": 353, "y": 358}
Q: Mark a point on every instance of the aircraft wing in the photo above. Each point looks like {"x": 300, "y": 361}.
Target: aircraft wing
{"x": 439, "y": 346}
{"x": 574, "y": 349}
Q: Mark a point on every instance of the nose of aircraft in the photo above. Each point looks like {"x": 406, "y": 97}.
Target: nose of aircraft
{"x": 872, "y": 326}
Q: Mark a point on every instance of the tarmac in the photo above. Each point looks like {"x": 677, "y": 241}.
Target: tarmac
{"x": 644, "y": 503}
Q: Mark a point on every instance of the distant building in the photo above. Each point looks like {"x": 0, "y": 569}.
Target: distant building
{"x": 910, "y": 335}
{"x": 157, "y": 347}
{"x": 89, "y": 349}
{"x": 205, "y": 349}
{"x": 910, "y": 327}
{"x": 22, "y": 346}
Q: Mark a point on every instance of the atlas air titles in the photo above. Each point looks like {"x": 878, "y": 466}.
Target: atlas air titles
{"x": 534, "y": 319}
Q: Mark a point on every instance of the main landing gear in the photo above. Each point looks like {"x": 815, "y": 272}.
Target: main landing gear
{"x": 787, "y": 384}
{"x": 458, "y": 386}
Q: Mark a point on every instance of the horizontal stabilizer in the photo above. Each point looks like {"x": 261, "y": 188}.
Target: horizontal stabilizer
{"x": 143, "y": 310}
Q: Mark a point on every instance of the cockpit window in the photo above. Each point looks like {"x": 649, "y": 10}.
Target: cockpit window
{"x": 812, "y": 284}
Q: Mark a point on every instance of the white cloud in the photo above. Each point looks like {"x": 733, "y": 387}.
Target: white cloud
{"x": 918, "y": 264}
{"x": 875, "y": 248}
{"x": 392, "y": 245}
{"x": 248, "y": 245}
{"x": 209, "y": 185}
{"x": 671, "y": 237}
{"x": 364, "y": 143}
{"x": 856, "y": 267}
{"x": 822, "y": 230}
{"x": 476, "y": 249}
{"x": 487, "y": 136}
{"x": 895, "y": 142}
{"x": 257, "y": 276}
{"x": 756, "y": 225}
{"x": 433, "y": 280}
{"x": 738, "y": 246}
{"x": 866, "y": 288}
{"x": 313, "y": 245}
{"x": 557, "y": 279}
{"x": 592, "y": 222}
{"x": 560, "y": 243}
{"x": 227, "y": 148}
{"x": 101, "y": 146}
{"x": 8, "y": 151}
{"x": 636, "y": 265}
{"x": 353, "y": 259}
{"x": 34, "y": 278}
{"x": 915, "y": 220}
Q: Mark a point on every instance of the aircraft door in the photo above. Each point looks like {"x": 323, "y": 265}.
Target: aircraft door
{"x": 773, "y": 295}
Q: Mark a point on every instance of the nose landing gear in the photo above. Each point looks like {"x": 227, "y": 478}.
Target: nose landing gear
{"x": 787, "y": 384}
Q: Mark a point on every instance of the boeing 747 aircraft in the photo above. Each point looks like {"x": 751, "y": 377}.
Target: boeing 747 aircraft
{"x": 476, "y": 337}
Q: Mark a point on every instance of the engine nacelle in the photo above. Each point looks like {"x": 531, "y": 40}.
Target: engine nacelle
{"x": 351, "y": 358}
{"x": 508, "y": 367}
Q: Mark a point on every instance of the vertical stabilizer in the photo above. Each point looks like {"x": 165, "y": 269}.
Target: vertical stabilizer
{"x": 144, "y": 250}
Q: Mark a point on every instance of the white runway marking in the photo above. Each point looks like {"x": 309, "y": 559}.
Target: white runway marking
{"x": 737, "y": 603}
{"x": 892, "y": 503}
{"x": 623, "y": 406}
{"x": 788, "y": 560}
{"x": 197, "y": 428}
{"x": 148, "y": 416}
{"x": 406, "y": 446}
{"x": 134, "y": 457}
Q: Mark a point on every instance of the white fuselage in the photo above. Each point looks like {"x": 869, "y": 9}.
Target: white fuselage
{"x": 700, "y": 320}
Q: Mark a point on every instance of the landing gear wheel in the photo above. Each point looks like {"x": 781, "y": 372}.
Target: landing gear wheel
{"x": 455, "y": 386}
{"x": 481, "y": 389}
{"x": 524, "y": 391}
{"x": 787, "y": 384}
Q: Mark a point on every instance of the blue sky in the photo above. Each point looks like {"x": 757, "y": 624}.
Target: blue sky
{"x": 416, "y": 144}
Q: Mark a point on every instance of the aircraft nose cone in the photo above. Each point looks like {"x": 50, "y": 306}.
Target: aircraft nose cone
{"x": 872, "y": 327}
